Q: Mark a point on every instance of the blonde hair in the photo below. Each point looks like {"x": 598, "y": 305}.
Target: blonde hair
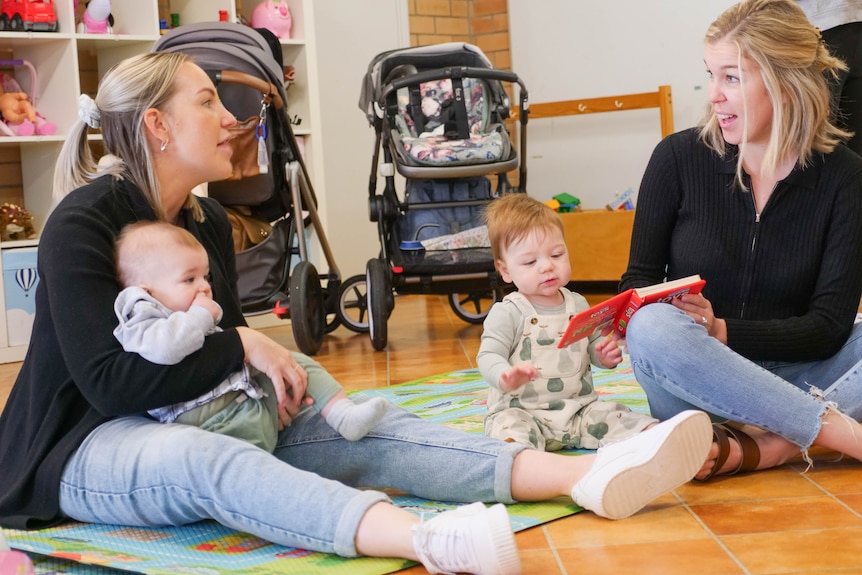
{"x": 125, "y": 93}
{"x": 793, "y": 60}
{"x": 141, "y": 241}
{"x": 515, "y": 216}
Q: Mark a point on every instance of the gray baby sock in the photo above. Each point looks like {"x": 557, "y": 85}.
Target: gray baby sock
{"x": 355, "y": 420}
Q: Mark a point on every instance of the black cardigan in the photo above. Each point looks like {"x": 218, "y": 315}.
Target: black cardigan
{"x": 76, "y": 375}
{"x": 787, "y": 282}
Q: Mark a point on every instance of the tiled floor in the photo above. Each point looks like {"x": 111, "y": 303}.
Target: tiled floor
{"x": 781, "y": 521}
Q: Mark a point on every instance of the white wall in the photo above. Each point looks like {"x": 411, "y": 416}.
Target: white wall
{"x": 349, "y": 35}
{"x": 572, "y": 49}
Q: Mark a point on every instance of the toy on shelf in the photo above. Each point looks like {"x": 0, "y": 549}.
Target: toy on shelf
{"x": 623, "y": 201}
{"x": 19, "y": 114}
{"x": 274, "y": 16}
{"x": 16, "y": 223}
{"x": 97, "y": 18}
{"x": 564, "y": 203}
{"x": 30, "y": 16}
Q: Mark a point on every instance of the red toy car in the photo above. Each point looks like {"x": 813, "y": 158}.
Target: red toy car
{"x": 24, "y": 15}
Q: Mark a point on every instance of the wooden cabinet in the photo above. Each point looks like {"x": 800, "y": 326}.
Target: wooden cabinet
{"x": 598, "y": 243}
{"x": 57, "y": 58}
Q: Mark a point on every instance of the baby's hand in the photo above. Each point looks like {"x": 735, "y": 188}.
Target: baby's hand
{"x": 610, "y": 353}
{"x": 206, "y": 301}
{"x": 518, "y": 375}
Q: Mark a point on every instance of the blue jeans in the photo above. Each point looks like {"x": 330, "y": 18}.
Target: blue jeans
{"x": 136, "y": 471}
{"x": 680, "y": 366}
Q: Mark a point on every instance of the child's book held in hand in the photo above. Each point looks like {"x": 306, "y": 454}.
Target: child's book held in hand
{"x": 618, "y": 310}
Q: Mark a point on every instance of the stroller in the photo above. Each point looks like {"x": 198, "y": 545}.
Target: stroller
{"x": 269, "y": 198}
{"x": 438, "y": 114}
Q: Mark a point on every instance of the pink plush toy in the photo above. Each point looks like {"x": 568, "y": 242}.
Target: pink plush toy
{"x": 274, "y": 16}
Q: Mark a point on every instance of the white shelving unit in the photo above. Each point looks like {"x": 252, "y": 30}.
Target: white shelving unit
{"x": 56, "y": 56}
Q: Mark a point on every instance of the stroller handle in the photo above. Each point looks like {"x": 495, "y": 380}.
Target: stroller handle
{"x": 269, "y": 91}
{"x": 450, "y": 72}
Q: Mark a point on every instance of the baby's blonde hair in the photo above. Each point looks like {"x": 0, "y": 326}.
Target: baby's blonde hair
{"x": 515, "y": 216}
{"x": 140, "y": 242}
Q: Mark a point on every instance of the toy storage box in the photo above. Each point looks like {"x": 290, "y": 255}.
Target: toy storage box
{"x": 19, "y": 284}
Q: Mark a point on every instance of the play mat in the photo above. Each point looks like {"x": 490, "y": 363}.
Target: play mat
{"x": 456, "y": 398}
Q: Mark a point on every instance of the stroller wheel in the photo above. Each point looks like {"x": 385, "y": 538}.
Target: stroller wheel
{"x": 379, "y": 300}
{"x": 352, "y": 307}
{"x": 473, "y": 307}
{"x": 307, "y": 314}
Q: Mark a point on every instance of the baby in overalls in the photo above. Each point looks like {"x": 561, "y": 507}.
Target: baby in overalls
{"x": 540, "y": 395}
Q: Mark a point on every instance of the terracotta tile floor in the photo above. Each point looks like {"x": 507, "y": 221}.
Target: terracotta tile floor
{"x": 780, "y": 521}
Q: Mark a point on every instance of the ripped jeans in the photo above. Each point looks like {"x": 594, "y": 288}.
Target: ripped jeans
{"x": 680, "y": 366}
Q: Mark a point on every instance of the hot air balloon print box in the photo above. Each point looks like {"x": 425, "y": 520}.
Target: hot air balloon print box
{"x": 19, "y": 286}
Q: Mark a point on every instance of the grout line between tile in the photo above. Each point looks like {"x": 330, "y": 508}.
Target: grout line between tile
{"x": 715, "y": 537}
{"x": 829, "y": 494}
{"x": 560, "y": 565}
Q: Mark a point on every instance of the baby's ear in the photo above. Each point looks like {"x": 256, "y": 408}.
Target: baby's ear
{"x": 504, "y": 271}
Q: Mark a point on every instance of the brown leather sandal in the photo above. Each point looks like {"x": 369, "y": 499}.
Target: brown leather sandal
{"x": 722, "y": 434}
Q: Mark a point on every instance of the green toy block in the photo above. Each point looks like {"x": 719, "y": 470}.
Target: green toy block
{"x": 567, "y": 199}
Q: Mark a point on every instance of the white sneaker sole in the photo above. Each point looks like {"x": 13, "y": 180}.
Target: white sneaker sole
{"x": 661, "y": 459}
{"x": 503, "y": 540}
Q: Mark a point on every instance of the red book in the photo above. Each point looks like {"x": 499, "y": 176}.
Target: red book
{"x": 618, "y": 310}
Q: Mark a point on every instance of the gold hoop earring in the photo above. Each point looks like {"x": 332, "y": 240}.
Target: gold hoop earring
{"x": 163, "y": 146}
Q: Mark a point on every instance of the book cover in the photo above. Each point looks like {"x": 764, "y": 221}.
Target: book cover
{"x": 595, "y": 318}
{"x": 658, "y": 293}
{"x": 618, "y": 310}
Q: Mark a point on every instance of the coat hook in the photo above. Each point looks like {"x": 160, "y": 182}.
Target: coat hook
{"x": 618, "y": 104}
{"x": 582, "y": 108}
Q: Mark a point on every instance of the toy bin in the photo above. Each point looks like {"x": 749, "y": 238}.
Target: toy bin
{"x": 19, "y": 283}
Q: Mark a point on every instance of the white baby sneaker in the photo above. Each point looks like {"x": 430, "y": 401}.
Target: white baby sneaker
{"x": 628, "y": 474}
{"x": 469, "y": 539}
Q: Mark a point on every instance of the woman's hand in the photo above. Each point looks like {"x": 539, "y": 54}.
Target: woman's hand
{"x": 699, "y": 309}
{"x": 288, "y": 377}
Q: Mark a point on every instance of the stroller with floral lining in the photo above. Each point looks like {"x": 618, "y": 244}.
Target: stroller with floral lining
{"x": 438, "y": 113}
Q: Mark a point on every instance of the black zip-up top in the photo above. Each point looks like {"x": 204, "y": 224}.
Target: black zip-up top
{"x": 787, "y": 281}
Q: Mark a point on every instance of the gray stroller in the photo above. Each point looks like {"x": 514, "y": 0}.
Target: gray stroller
{"x": 275, "y": 275}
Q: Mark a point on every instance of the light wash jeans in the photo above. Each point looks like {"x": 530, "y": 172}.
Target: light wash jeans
{"x": 135, "y": 471}
{"x": 680, "y": 366}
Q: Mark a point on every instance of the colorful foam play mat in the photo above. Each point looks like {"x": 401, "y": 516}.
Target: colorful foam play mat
{"x": 207, "y": 548}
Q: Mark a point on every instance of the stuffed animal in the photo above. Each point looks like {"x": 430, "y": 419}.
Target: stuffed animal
{"x": 97, "y": 18}
{"x": 16, "y": 223}
{"x": 274, "y": 16}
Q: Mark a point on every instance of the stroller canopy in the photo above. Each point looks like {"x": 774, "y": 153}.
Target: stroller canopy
{"x": 216, "y": 45}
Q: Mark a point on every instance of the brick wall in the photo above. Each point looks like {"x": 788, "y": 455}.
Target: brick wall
{"x": 484, "y": 23}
